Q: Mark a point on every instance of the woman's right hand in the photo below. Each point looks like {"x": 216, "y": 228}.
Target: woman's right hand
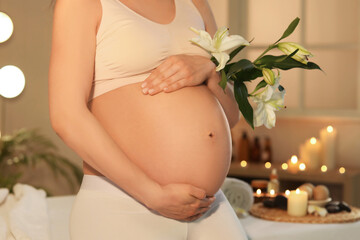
{"x": 181, "y": 202}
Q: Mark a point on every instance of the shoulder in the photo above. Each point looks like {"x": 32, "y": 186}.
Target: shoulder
{"x": 205, "y": 10}
{"x": 77, "y": 11}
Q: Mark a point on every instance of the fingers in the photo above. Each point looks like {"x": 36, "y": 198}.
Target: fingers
{"x": 197, "y": 192}
{"x": 206, "y": 202}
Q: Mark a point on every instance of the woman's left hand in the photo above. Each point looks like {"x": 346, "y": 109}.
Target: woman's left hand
{"x": 178, "y": 71}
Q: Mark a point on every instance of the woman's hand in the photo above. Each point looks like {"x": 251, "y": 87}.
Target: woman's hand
{"x": 180, "y": 201}
{"x": 178, "y": 71}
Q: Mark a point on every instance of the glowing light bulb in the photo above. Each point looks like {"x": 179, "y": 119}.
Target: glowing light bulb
{"x": 302, "y": 166}
{"x": 268, "y": 165}
{"x": 12, "y": 81}
{"x": 7, "y": 27}
{"x": 324, "y": 168}
{"x": 284, "y": 166}
{"x": 313, "y": 140}
{"x": 342, "y": 170}
{"x": 294, "y": 159}
{"x": 243, "y": 163}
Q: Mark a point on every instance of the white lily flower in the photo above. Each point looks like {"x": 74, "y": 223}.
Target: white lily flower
{"x": 219, "y": 44}
{"x": 268, "y": 101}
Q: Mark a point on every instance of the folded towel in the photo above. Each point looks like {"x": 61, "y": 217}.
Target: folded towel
{"x": 29, "y": 217}
{"x": 238, "y": 193}
{"x": 3, "y": 229}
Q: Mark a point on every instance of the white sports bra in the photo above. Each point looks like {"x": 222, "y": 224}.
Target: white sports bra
{"x": 129, "y": 46}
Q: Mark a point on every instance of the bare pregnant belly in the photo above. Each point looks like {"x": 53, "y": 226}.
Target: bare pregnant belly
{"x": 178, "y": 137}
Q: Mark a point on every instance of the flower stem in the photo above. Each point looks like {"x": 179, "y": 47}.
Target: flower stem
{"x": 268, "y": 49}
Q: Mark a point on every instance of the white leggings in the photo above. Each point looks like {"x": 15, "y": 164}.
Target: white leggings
{"x": 103, "y": 211}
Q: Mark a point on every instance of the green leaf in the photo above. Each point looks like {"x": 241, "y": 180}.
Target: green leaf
{"x": 247, "y": 74}
{"x": 241, "y": 96}
{"x": 223, "y": 81}
{"x": 242, "y": 65}
{"x": 290, "y": 29}
{"x": 236, "y": 51}
{"x": 284, "y": 62}
{"x": 260, "y": 85}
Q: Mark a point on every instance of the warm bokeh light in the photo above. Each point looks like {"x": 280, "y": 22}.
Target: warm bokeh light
{"x": 330, "y": 129}
{"x": 313, "y": 140}
{"x": 287, "y": 192}
{"x": 302, "y": 166}
{"x": 6, "y": 28}
{"x": 243, "y": 163}
{"x": 324, "y": 168}
{"x": 12, "y": 81}
{"x": 294, "y": 159}
{"x": 342, "y": 170}
{"x": 267, "y": 165}
{"x": 284, "y": 166}
{"x": 297, "y": 191}
{"x": 258, "y": 192}
{"x": 272, "y": 192}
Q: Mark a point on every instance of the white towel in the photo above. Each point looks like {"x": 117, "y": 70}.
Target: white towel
{"x": 29, "y": 217}
{"x": 238, "y": 193}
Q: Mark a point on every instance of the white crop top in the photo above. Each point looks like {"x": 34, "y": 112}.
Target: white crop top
{"x": 129, "y": 46}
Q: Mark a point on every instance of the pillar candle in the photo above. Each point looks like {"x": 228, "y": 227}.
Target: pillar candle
{"x": 297, "y": 203}
{"x": 328, "y": 140}
{"x": 313, "y": 153}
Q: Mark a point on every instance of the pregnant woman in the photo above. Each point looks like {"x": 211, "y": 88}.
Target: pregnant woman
{"x": 141, "y": 105}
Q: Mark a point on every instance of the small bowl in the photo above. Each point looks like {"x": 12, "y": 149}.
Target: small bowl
{"x": 319, "y": 203}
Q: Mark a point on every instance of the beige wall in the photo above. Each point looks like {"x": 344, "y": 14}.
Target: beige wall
{"x": 29, "y": 49}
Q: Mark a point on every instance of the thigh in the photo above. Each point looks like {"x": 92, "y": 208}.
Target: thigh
{"x": 97, "y": 216}
{"x": 220, "y": 222}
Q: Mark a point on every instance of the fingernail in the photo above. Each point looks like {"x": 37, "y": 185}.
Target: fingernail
{"x": 143, "y": 85}
{"x": 151, "y": 91}
{"x": 145, "y": 90}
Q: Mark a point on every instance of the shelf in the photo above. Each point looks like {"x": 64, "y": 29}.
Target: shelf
{"x": 348, "y": 182}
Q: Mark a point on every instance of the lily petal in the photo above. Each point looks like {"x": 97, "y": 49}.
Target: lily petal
{"x": 232, "y": 41}
{"x": 222, "y": 59}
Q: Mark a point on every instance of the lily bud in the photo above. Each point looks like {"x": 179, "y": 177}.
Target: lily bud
{"x": 269, "y": 76}
{"x": 289, "y": 47}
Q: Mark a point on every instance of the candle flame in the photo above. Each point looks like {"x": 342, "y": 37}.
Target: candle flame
{"x": 284, "y": 166}
{"x": 302, "y": 166}
{"x": 330, "y": 129}
{"x": 313, "y": 140}
{"x": 243, "y": 163}
{"x": 267, "y": 165}
{"x": 294, "y": 159}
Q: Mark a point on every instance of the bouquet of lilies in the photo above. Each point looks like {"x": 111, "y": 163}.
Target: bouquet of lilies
{"x": 268, "y": 94}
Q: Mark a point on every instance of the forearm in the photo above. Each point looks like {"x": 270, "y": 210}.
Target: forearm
{"x": 226, "y": 99}
{"x": 85, "y": 135}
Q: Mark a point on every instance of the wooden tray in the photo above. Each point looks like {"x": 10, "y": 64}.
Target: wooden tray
{"x": 278, "y": 215}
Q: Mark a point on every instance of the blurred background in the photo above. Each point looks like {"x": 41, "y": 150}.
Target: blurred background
{"x": 314, "y": 99}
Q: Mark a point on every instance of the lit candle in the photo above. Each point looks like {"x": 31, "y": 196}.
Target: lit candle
{"x": 312, "y": 153}
{"x": 272, "y": 193}
{"x": 297, "y": 203}
{"x": 287, "y": 193}
{"x": 258, "y": 192}
{"x": 328, "y": 140}
{"x": 293, "y": 164}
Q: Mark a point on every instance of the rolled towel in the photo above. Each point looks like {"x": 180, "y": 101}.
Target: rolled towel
{"x": 29, "y": 217}
{"x": 238, "y": 193}
{"x": 4, "y": 192}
